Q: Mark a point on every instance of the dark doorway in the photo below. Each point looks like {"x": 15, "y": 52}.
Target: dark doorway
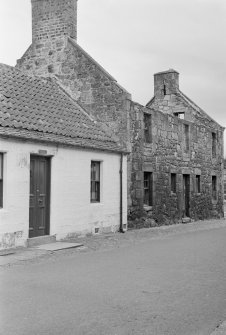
{"x": 186, "y": 194}
{"x": 39, "y": 196}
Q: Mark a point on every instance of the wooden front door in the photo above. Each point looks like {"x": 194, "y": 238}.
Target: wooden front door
{"x": 39, "y": 196}
{"x": 186, "y": 193}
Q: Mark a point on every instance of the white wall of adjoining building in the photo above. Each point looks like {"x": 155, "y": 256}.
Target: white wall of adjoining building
{"x": 71, "y": 212}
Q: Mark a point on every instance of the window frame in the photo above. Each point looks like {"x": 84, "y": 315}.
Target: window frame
{"x": 95, "y": 182}
{"x": 1, "y": 178}
{"x": 148, "y": 188}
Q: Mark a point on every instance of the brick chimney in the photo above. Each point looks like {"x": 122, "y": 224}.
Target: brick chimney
{"x": 165, "y": 83}
{"x": 52, "y": 19}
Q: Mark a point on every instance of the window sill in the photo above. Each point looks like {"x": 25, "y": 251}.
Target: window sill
{"x": 148, "y": 144}
{"x": 148, "y": 208}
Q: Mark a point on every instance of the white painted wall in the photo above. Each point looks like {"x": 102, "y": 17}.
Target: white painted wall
{"x": 71, "y": 212}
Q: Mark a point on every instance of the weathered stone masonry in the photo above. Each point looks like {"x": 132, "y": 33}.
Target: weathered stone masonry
{"x": 170, "y": 152}
{"x": 165, "y": 155}
{"x": 174, "y": 148}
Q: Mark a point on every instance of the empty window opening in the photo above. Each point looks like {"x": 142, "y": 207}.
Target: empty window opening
{"x": 186, "y": 137}
{"x": 214, "y": 187}
{"x": 173, "y": 182}
{"x": 164, "y": 89}
{"x": 95, "y": 182}
{"x": 197, "y": 184}
{"x": 148, "y": 128}
{"x": 180, "y": 115}
{"x": 214, "y": 145}
{"x": 148, "y": 181}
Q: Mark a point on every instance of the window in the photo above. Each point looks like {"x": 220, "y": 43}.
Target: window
{"x": 214, "y": 187}
{"x": 186, "y": 137}
{"x": 148, "y": 188}
{"x": 148, "y": 128}
{"x": 95, "y": 182}
{"x": 1, "y": 180}
{"x": 180, "y": 115}
{"x": 214, "y": 145}
{"x": 197, "y": 184}
{"x": 173, "y": 182}
{"x": 164, "y": 89}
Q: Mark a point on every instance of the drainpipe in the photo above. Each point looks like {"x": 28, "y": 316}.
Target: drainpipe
{"x": 121, "y": 197}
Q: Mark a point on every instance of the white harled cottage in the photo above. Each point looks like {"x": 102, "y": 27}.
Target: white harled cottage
{"x": 60, "y": 173}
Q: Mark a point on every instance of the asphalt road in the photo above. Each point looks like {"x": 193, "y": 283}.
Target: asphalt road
{"x": 173, "y": 285}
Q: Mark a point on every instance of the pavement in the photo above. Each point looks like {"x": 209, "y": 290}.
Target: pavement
{"x": 98, "y": 243}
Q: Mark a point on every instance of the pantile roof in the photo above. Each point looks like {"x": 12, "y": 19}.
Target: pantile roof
{"x": 38, "y": 108}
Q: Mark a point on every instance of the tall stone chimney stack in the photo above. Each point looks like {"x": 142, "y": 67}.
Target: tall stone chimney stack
{"x": 53, "y": 22}
{"x": 52, "y": 19}
{"x": 165, "y": 83}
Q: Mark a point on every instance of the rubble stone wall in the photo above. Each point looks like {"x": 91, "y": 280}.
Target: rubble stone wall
{"x": 166, "y": 154}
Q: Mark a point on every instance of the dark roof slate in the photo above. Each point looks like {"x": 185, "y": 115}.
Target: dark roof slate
{"x": 34, "y": 107}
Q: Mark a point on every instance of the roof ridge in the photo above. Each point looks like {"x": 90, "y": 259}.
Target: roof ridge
{"x": 4, "y": 66}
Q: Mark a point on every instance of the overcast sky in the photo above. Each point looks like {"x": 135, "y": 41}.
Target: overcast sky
{"x": 133, "y": 39}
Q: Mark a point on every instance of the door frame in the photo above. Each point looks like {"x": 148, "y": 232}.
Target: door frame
{"x": 48, "y": 192}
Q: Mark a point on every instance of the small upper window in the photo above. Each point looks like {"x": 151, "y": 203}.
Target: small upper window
{"x": 164, "y": 89}
{"x": 1, "y": 180}
{"x": 180, "y": 115}
{"x": 147, "y": 128}
{"x": 95, "y": 182}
